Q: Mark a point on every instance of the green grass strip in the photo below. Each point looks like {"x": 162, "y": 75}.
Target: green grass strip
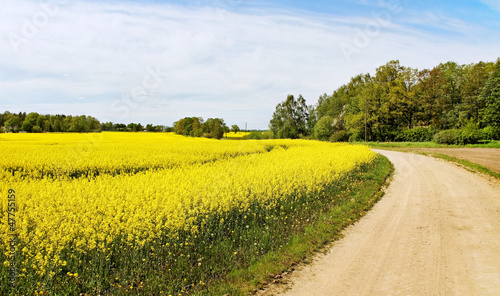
{"x": 358, "y": 195}
{"x": 464, "y": 162}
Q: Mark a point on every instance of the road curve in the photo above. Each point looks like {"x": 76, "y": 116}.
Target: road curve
{"x": 435, "y": 232}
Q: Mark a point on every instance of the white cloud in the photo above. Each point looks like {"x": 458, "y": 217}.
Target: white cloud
{"x": 441, "y": 22}
{"x": 492, "y": 3}
{"x": 238, "y": 66}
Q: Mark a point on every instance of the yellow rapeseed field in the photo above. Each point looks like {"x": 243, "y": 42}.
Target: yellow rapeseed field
{"x": 237, "y": 135}
{"x": 81, "y": 194}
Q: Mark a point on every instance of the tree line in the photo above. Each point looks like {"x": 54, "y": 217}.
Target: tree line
{"x": 133, "y": 127}
{"x": 400, "y": 103}
{"x": 37, "y": 123}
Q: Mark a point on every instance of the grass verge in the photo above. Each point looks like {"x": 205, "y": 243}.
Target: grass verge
{"x": 354, "y": 196}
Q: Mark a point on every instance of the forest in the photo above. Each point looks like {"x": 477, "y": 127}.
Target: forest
{"x": 449, "y": 103}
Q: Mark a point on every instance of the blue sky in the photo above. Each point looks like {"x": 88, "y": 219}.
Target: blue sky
{"x": 158, "y": 61}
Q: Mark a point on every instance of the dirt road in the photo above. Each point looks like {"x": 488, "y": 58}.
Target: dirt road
{"x": 435, "y": 232}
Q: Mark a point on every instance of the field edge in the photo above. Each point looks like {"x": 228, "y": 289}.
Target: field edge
{"x": 466, "y": 164}
{"x": 371, "y": 181}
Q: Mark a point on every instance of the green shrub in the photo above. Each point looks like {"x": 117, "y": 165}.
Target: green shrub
{"x": 418, "y": 134}
{"x": 287, "y": 132}
{"x": 356, "y": 137}
{"x": 199, "y": 133}
{"x": 268, "y": 135}
{"x": 254, "y": 136}
{"x": 457, "y": 137}
{"x": 447, "y": 137}
{"x": 469, "y": 137}
{"x": 341, "y": 136}
{"x": 36, "y": 129}
{"x": 489, "y": 133}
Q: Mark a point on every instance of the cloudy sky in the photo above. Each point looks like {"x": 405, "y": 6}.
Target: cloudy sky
{"x": 157, "y": 61}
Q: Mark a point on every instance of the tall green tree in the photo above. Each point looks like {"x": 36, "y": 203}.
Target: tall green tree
{"x": 371, "y": 122}
{"x": 3, "y": 118}
{"x": 215, "y": 128}
{"x": 475, "y": 78}
{"x": 29, "y": 122}
{"x": 324, "y": 129}
{"x": 312, "y": 120}
{"x": 451, "y": 100}
{"x": 150, "y": 128}
{"x": 490, "y": 99}
{"x": 185, "y": 126}
{"x": 56, "y": 125}
{"x": 13, "y": 124}
{"x": 235, "y": 129}
{"x": 290, "y": 119}
{"x": 429, "y": 91}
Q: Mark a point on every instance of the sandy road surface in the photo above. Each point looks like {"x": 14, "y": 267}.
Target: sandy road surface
{"x": 435, "y": 232}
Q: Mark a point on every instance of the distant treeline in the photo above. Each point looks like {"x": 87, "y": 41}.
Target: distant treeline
{"x": 401, "y": 104}
{"x": 37, "y": 123}
{"x": 134, "y": 127}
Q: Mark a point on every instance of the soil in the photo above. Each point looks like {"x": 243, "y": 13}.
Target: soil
{"x": 435, "y": 232}
{"x": 487, "y": 157}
